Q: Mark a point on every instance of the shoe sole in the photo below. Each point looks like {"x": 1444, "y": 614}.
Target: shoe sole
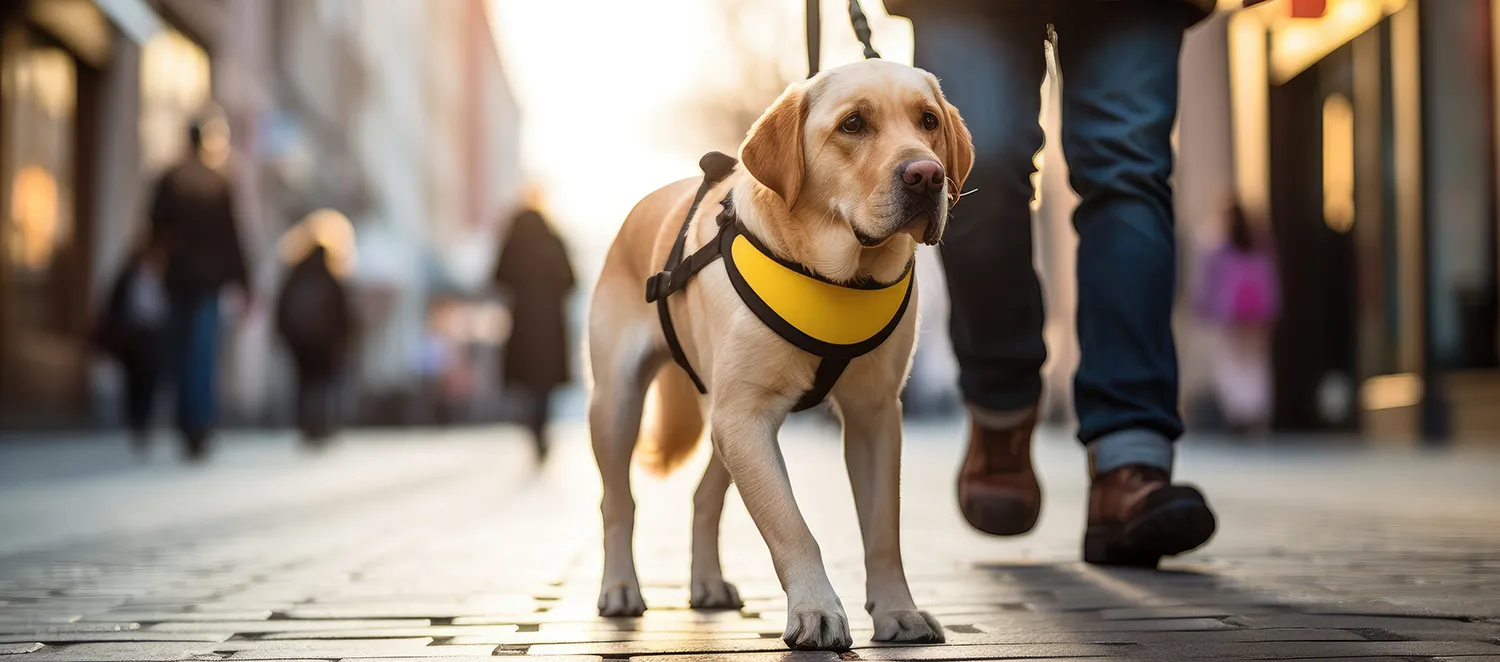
{"x": 1170, "y": 529}
{"x": 999, "y": 516}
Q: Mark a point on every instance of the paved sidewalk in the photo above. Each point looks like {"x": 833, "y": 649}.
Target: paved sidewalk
{"x": 448, "y": 545}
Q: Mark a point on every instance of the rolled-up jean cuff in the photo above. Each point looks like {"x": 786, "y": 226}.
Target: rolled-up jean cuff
{"x": 996, "y": 419}
{"x": 1130, "y": 447}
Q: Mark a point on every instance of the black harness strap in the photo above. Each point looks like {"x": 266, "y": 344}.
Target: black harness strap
{"x": 679, "y": 270}
{"x": 829, "y": 371}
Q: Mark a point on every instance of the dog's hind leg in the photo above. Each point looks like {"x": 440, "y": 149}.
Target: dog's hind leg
{"x": 710, "y": 591}
{"x": 622, "y": 360}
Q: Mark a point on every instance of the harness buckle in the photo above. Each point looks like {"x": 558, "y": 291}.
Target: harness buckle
{"x": 656, "y": 286}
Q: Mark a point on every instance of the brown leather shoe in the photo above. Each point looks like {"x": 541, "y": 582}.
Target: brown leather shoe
{"x": 1137, "y": 516}
{"x": 997, "y": 488}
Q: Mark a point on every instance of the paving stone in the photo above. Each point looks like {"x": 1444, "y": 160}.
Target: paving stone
{"x": 445, "y": 631}
{"x": 862, "y": 643}
{"x": 288, "y": 625}
{"x": 230, "y": 608}
{"x": 1450, "y": 608}
{"x": 1295, "y": 650}
{"x": 64, "y": 605}
{"x": 1225, "y": 636}
{"x": 1414, "y": 626}
{"x": 307, "y": 648}
{"x": 653, "y": 625}
{"x": 437, "y": 609}
{"x": 120, "y": 635}
{"x": 1076, "y": 625}
{"x": 19, "y": 648}
{"x": 59, "y": 628}
{"x": 788, "y": 656}
{"x": 1153, "y": 613}
{"x": 122, "y": 652}
{"x": 427, "y": 653}
{"x": 458, "y": 656}
{"x": 671, "y": 646}
{"x": 1023, "y": 636}
{"x": 552, "y": 637}
{"x": 9, "y": 619}
{"x": 174, "y": 617}
{"x": 996, "y": 651}
{"x": 1359, "y": 659}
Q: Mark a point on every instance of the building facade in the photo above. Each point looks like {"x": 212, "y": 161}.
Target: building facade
{"x": 1365, "y": 130}
{"x": 397, "y": 114}
{"x": 95, "y": 101}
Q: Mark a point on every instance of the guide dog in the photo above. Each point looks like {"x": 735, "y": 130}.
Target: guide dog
{"x": 836, "y": 186}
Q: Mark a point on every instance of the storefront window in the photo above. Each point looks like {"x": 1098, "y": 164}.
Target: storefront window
{"x": 36, "y": 170}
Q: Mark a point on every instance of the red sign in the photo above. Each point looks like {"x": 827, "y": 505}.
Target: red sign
{"x": 1309, "y": 8}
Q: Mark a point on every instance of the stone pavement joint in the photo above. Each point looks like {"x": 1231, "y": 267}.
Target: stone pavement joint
{"x": 462, "y": 564}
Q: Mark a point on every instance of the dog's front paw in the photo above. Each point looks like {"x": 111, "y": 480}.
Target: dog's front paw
{"x": 907, "y": 626}
{"x": 715, "y": 594}
{"x": 823, "y": 628}
{"x": 621, "y": 600}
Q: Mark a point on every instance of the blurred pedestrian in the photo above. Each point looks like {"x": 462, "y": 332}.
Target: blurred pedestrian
{"x": 535, "y": 273}
{"x": 1239, "y": 296}
{"x": 1119, "y": 61}
{"x": 193, "y": 219}
{"x": 131, "y": 329}
{"x": 316, "y": 321}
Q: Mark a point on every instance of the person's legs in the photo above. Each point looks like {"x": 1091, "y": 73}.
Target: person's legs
{"x": 141, "y": 371}
{"x": 196, "y": 350}
{"x": 991, "y": 69}
{"x": 310, "y": 406}
{"x": 1119, "y": 65}
{"x": 539, "y": 411}
{"x": 991, "y": 64}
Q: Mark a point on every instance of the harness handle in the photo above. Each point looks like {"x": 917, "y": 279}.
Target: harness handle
{"x": 814, "y": 24}
{"x": 862, "y": 28}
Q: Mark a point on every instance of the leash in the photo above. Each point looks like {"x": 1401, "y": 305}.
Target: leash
{"x": 861, "y": 23}
{"x": 680, "y": 267}
{"x": 857, "y": 18}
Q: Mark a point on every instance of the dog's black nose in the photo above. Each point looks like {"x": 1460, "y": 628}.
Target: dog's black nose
{"x": 923, "y": 177}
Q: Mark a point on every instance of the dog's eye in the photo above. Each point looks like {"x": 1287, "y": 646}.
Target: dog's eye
{"x": 852, "y": 124}
{"x": 929, "y": 121}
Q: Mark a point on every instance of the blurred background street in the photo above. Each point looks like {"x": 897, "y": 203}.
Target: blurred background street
{"x": 417, "y": 130}
{"x": 345, "y": 420}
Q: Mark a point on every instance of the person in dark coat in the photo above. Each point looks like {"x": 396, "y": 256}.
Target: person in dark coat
{"x": 314, "y": 319}
{"x": 534, "y": 271}
{"x": 193, "y": 220}
{"x": 131, "y": 330}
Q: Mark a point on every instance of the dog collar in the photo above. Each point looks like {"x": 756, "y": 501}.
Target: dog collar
{"x": 836, "y": 322}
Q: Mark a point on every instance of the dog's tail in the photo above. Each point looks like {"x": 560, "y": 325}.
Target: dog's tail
{"x": 672, "y": 424}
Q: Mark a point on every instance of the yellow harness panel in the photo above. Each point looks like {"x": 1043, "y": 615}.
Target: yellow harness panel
{"x": 834, "y": 314}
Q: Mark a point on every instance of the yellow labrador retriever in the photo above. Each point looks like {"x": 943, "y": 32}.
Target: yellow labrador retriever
{"x": 842, "y": 177}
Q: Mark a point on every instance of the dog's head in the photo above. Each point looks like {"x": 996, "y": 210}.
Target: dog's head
{"x": 874, "y": 144}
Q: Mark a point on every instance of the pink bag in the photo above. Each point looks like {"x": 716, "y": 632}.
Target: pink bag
{"x": 1241, "y": 288}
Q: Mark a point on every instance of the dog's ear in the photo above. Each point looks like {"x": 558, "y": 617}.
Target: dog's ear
{"x": 959, "y": 159}
{"x": 772, "y": 152}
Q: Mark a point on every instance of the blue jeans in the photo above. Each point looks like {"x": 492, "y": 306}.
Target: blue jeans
{"x": 193, "y": 355}
{"x": 1119, "y": 64}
